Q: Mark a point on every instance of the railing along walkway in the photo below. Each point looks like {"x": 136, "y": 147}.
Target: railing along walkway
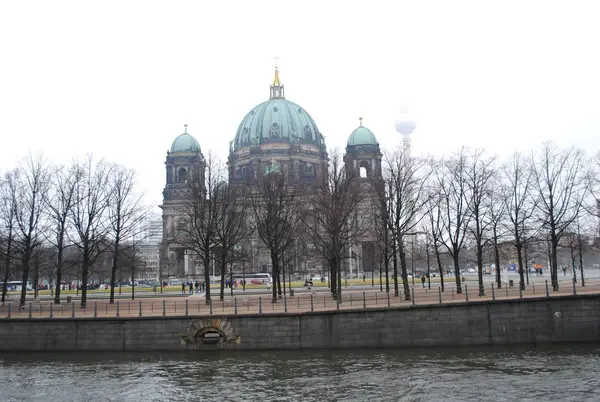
{"x": 301, "y": 302}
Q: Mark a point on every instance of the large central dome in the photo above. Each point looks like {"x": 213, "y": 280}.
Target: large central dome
{"x": 277, "y": 121}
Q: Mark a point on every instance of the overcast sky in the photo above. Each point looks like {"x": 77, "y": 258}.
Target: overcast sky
{"x": 120, "y": 78}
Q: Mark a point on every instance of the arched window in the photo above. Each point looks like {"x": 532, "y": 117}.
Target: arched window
{"x": 182, "y": 175}
{"x": 365, "y": 169}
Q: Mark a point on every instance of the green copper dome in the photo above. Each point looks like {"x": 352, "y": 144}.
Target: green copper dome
{"x": 362, "y": 136}
{"x": 277, "y": 120}
{"x": 185, "y": 143}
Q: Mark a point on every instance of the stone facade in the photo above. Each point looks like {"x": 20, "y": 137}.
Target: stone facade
{"x": 531, "y": 321}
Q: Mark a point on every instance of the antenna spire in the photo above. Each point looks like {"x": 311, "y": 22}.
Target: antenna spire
{"x": 185, "y": 126}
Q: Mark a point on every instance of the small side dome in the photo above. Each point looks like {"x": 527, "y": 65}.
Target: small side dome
{"x": 185, "y": 143}
{"x": 362, "y": 136}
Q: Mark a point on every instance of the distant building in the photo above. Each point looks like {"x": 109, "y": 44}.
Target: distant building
{"x": 149, "y": 249}
{"x": 276, "y": 135}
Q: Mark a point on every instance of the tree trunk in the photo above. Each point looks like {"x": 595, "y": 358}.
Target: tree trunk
{"x": 206, "y": 262}
{"x": 274, "y": 274}
{"x": 526, "y": 264}
{"x": 554, "y": 262}
{"x": 480, "y": 267}
{"x": 497, "y": 265}
{"x": 428, "y": 268}
{"x": 223, "y": 265}
{"x": 581, "y": 263}
{"x": 279, "y": 294}
{"x": 7, "y": 261}
{"x": 386, "y": 261}
{"x": 403, "y": 269}
{"x": 395, "y": 259}
{"x": 113, "y": 271}
{"x": 573, "y": 265}
{"x": 332, "y": 277}
{"x": 84, "y": 275}
{"x": 59, "y": 263}
{"x": 133, "y": 281}
{"x": 24, "y": 277}
{"x": 457, "y": 272}
{"x": 36, "y": 278}
{"x": 283, "y": 278}
{"x": 520, "y": 265}
{"x": 440, "y": 267}
{"x": 5, "y": 279}
{"x": 339, "y": 279}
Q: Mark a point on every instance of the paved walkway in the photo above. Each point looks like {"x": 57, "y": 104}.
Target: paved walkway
{"x": 196, "y": 304}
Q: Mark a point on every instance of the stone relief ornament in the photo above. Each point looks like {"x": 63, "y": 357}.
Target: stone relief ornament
{"x": 216, "y": 331}
{"x": 254, "y": 140}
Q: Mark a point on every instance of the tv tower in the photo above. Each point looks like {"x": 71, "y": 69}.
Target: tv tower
{"x": 405, "y": 125}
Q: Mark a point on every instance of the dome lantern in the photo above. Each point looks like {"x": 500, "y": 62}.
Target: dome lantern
{"x": 277, "y": 87}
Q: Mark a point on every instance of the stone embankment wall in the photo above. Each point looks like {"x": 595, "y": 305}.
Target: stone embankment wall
{"x": 560, "y": 319}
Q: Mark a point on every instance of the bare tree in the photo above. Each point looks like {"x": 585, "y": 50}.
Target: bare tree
{"x": 496, "y": 224}
{"x": 332, "y": 218}
{"x": 201, "y": 214}
{"x": 126, "y": 213}
{"x": 60, "y": 203}
{"x": 559, "y": 188}
{"x": 520, "y": 204}
{"x": 32, "y": 184}
{"x": 8, "y": 210}
{"x": 456, "y": 217}
{"x": 406, "y": 180}
{"x": 231, "y": 227}
{"x": 432, "y": 229}
{"x": 131, "y": 260}
{"x": 479, "y": 175}
{"x": 88, "y": 215}
{"x": 42, "y": 265}
{"x": 274, "y": 200}
{"x": 381, "y": 229}
{"x": 592, "y": 206}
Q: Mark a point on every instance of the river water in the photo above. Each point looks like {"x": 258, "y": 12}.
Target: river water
{"x": 542, "y": 373}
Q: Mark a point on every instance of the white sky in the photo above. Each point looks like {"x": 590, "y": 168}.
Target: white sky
{"x": 120, "y": 78}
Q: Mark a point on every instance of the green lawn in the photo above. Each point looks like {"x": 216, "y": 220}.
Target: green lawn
{"x": 295, "y": 284}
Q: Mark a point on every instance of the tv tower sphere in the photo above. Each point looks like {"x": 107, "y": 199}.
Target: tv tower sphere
{"x": 405, "y": 126}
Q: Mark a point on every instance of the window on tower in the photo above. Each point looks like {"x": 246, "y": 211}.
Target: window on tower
{"x": 365, "y": 169}
{"x": 182, "y": 175}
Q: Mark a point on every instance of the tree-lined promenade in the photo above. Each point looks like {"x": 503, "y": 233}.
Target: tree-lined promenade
{"x": 467, "y": 207}
{"x": 259, "y": 302}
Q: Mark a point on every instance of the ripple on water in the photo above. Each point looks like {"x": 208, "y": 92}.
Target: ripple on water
{"x": 486, "y": 374}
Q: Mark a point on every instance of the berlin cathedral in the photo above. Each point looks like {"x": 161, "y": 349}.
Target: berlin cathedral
{"x": 276, "y": 134}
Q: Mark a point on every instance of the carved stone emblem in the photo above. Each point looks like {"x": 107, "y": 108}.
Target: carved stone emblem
{"x": 209, "y": 332}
